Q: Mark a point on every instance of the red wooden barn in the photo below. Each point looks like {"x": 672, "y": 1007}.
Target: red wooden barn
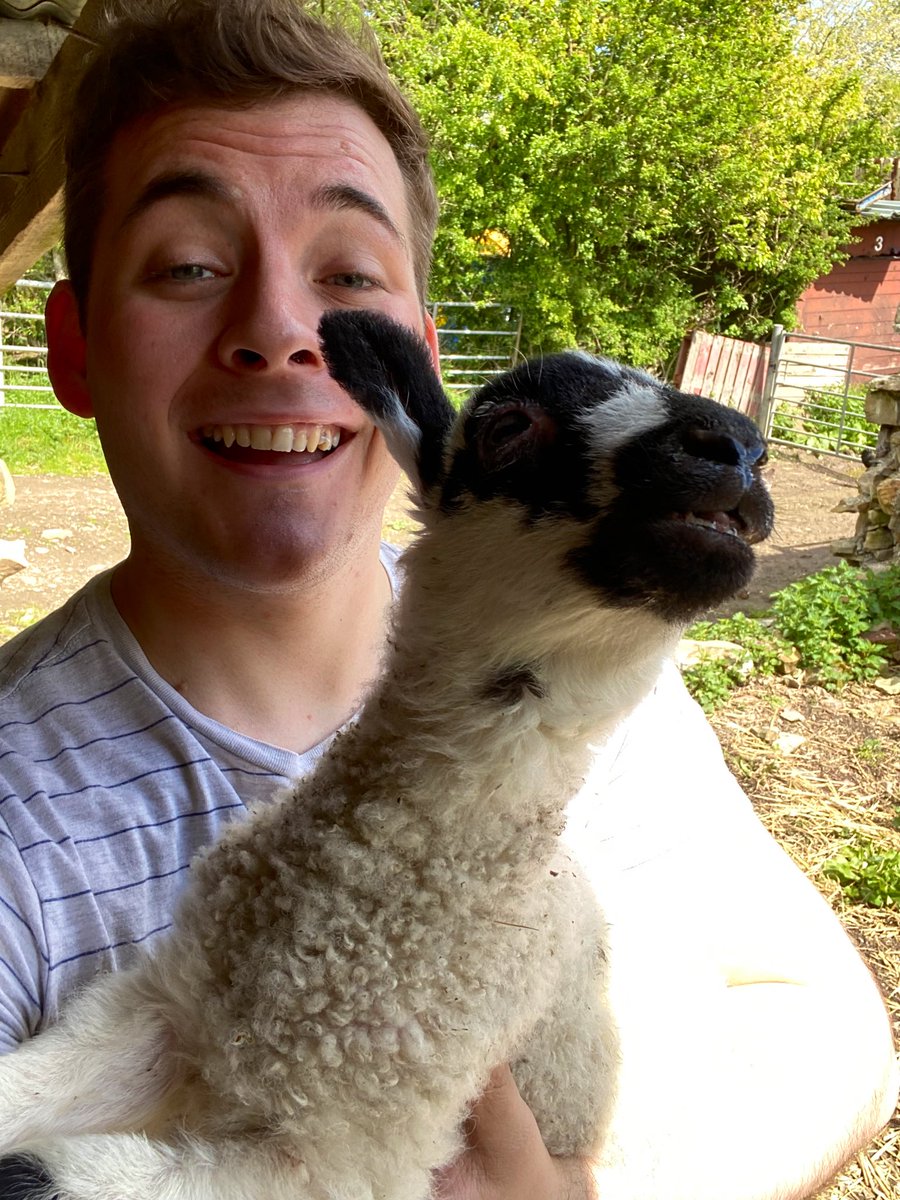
{"x": 859, "y": 300}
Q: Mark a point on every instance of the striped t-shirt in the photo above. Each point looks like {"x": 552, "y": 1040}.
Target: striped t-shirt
{"x": 110, "y": 782}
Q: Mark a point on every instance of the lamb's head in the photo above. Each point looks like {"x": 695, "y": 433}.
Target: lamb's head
{"x": 643, "y": 497}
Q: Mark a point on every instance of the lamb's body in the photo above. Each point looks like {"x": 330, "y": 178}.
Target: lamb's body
{"x": 348, "y": 965}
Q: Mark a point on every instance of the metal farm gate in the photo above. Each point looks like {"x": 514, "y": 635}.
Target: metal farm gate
{"x": 801, "y": 390}
{"x": 476, "y": 341}
{"x": 24, "y": 382}
{"x": 817, "y": 391}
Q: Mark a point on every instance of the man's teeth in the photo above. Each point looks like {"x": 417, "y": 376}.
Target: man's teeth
{"x": 284, "y": 438}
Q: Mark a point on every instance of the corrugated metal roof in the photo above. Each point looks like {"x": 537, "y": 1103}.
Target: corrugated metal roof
{"x": 883, "y": 210}
{"x": 882, "y": 192}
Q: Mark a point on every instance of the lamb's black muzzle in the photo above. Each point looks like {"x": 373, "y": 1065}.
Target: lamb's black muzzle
{"x": 720, "y": 447}
{"x": 690, "y": 502}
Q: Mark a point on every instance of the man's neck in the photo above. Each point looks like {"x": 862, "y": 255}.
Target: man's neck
{"x": 287, "y": 667}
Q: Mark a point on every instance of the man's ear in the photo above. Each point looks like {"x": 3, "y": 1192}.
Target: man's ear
{"x": 431, "y": 339}
{"x": 67, "y": 350}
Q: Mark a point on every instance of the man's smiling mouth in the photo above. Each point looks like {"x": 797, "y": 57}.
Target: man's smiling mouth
{"x": 245, "y": 442}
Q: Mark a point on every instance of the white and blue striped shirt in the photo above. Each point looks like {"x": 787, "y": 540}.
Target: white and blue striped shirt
{"x": 109, "y": 784}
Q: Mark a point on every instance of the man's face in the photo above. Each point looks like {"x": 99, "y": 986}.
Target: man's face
{"x": 225, "y": 235}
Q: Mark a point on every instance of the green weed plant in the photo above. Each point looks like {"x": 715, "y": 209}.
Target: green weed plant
{"x": 826, "y": 420}
{"x": 819, "y": 621}
{"x": 712, "y": 680}
{"x": 867, "y": 875}
{"x": 825, "y": 616}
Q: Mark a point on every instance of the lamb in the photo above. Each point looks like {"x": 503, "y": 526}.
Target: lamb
{"x": 349, "y": 964}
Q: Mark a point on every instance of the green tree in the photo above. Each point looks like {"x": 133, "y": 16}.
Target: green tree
{"x": 651, "y": 166}
{"x": 862, "y": 37}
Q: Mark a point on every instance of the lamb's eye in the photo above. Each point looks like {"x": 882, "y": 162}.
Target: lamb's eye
{"x": 507, "y": 435}
{"x": 507, "y": 426}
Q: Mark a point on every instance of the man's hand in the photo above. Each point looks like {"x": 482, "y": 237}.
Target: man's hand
{"x": 505, "y": 1157}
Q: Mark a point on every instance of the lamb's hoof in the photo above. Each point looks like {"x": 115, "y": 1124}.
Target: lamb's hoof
{"x": 23, "y": 1178}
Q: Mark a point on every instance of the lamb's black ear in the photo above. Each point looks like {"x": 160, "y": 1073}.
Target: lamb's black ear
{"x": 389, "y": 372}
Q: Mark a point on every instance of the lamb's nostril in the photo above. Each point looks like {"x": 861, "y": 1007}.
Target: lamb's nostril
{"x": 716, "y": 446}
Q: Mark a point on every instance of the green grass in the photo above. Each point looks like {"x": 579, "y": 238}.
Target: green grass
{"x": 48, "y": 442}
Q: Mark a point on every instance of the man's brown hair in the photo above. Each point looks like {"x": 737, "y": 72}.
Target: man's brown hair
{"x": 158, "y": 53}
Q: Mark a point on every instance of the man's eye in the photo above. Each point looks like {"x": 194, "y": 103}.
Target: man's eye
{"x": 188, "y": 272}
{"x": 351, "y": 279}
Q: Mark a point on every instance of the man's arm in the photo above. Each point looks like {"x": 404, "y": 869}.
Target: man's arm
{"x": 756, "y": 1051}
{"x": 759, "y": 1091}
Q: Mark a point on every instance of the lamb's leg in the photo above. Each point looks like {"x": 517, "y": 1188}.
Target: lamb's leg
{"x": 133, "y": 1167}
{"x": 106, "y": 1065}
{"x": 124, "y": 1166}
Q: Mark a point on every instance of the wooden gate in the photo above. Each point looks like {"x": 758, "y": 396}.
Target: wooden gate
{"x": 725, "y": 369}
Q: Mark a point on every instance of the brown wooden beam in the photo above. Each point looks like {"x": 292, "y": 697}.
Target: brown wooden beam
{"x": 31, "y": 161}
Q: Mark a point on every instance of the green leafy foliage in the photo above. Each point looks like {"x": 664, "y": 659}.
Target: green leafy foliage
{"x": 825, "y": 615}
{"x": 650, "y": 166}
{"x": 867, "y": 875}
{"x": 22, "y": 332}
{"x": 819, "y": 620}
{"x": 763, "y": 645}
{"x": 862, "y": 36}
{"x": 38, "y": 440}
{"x": 712, "y": 680}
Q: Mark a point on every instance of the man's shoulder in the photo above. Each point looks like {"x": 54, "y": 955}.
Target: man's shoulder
{"x": 50, "y": 642}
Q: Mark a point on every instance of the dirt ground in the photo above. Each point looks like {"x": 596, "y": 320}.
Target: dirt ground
{"x": 74, "y": 527}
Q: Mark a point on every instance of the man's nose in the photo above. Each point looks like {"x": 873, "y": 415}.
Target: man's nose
{"x": 271, "y": 323}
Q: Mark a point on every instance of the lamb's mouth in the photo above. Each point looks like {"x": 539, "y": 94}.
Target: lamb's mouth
{"x": 308, "y": 439}
{"x": 730, "y": 524}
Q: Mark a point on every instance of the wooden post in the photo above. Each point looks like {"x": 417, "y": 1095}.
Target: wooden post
{"x": 7, "y": 486}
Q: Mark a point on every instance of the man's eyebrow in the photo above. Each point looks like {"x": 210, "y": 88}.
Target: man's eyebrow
{"x": 176, "y": 183}
{"x": 344, "y": 195}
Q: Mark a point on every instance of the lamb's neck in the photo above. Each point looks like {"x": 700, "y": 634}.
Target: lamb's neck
{"x": 452, "y": 723}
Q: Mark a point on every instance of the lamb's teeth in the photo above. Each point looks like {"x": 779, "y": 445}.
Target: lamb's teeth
{"x": 242, "y": 435}
{"x": 299, "y": 439}
{"x": 283, "y": 439}
{"x": 261, "y": 437}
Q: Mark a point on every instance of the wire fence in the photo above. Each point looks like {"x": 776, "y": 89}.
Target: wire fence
{"x": 476, "y": 341}
{"x": 24, "y": 382}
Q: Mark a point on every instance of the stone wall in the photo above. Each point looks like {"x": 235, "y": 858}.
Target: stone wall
{"x": 877, "y": 536}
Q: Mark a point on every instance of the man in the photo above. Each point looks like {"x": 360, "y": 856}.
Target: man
{"x": 236, "y": 169}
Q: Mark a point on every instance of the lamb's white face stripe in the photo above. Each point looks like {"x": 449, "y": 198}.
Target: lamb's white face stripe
{"x": 403, "y": 436}
{"x": 636, "y": 408}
